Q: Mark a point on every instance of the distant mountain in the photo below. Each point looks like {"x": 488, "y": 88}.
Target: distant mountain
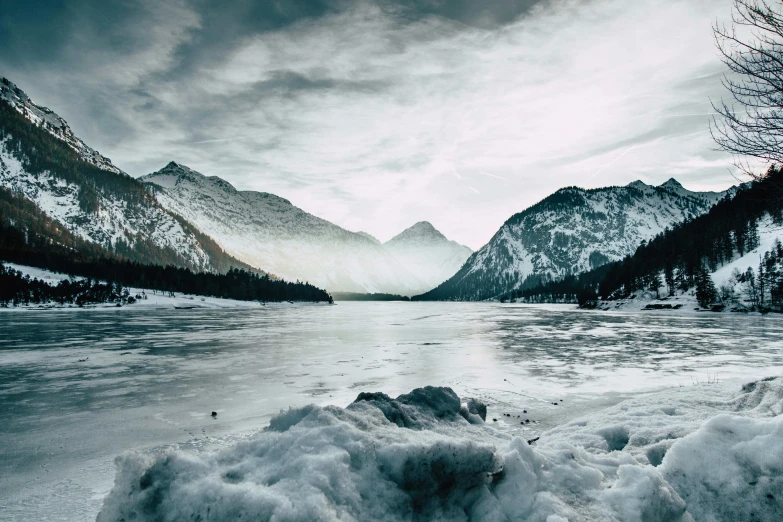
{"x": 424, "y": 251}
{"x": 369, "y": 236}
{"x": 572, "y": 231}
{"x": 44, "y": 162}
{"x": 734, "y": 247}
{"x": 267, "y": 231}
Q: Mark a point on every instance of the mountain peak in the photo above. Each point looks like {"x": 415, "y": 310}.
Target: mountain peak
{"x": 672, "y": 183}
{"x": 170, "y": 175}
{"x": 172, "y": 167}
{"x": 50, "y": 121}
{"x": 675, "y": 187}
{"x": 421, "y": 231}
{"x": 424, "y": 226}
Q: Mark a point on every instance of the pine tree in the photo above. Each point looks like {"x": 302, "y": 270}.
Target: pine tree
{"x": 668, "y": 275}
{"x": 751, "y": 289}
{"x": 705, "y": 288}
{"x": 655, "y": 284}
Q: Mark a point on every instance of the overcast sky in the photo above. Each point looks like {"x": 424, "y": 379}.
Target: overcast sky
{"x": 376, "y": 115}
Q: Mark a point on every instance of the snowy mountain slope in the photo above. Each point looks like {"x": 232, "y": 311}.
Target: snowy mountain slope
{"x": 769, "y": 233}
{"x": 424, "y": 251}
{"x": 42, "y": 160}
{"x": 267, "y": 231}
{"x": 370, "y": 237}
{"x": 572, "y": 231}
{"x": 115, "y": 221}
{"x": 48, "y": 120}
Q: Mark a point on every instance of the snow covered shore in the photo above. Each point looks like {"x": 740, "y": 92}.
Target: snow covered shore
{"x": 151, "y": 299}
{"x": 710, "y": 452}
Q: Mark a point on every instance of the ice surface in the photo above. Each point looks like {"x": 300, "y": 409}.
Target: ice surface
{"x": 78, "y": 389}
{"x": 417, "y": 458}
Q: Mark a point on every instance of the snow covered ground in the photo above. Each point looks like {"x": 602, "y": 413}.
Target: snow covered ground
{"x": 150, "y": 300}
{"x": 685, "y": 454}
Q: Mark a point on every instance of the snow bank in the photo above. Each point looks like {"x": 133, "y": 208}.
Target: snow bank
{"x": 424, "y": 455}
{"x": 730, "y": 469}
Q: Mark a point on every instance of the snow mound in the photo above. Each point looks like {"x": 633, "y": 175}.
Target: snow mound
{"x": 730, "y": 469}
{"x": 427, "y": 456}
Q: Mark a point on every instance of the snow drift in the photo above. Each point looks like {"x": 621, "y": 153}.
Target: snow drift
{"x": 426, "y": 456}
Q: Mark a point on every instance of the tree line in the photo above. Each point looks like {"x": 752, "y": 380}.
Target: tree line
{"x": 29, "y": 237}
{"x": 17, "y": 289}
{"x": 115, "y": 278}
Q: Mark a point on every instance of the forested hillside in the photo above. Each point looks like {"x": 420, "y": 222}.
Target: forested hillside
{"x": 30, "y": 237}
{"x": 683, "y": 256}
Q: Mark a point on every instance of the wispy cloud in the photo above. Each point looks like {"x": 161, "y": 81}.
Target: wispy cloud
{"x": 223, "y": 139}
{"x": 612, "y": 161}
{"x": 493, "y": 175}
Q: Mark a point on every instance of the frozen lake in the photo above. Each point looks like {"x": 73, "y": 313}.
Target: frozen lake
{"x": 78, "y": 388}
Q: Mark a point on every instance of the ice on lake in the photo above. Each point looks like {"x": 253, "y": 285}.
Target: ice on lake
{"x": 80, "y": 388}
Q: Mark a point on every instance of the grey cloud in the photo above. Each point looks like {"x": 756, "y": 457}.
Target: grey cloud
{"x": 485, "y": 14}
{"x": 366, "y": 108}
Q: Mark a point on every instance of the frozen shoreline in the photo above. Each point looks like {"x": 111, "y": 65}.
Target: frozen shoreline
{"x": 153, "y": 301}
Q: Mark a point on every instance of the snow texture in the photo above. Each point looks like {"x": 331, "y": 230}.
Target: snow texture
{"x": 678, "y": 455}
{"x": 269, "y": 232}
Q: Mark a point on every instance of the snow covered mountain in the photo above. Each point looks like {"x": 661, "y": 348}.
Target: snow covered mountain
{"x": 267, "y": 231}
{"x": 48, "y": 120}
{"x": 369, "y": 236}
{"x": 424, "y": 251}
{"x": 572, "y": 231}
{"x": 43, "y": 160}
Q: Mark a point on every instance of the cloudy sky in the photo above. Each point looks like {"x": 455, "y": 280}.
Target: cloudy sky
{"x": 378, "y": 114}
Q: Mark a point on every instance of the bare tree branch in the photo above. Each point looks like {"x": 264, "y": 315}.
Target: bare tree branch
{"x": 755, "y": 129}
